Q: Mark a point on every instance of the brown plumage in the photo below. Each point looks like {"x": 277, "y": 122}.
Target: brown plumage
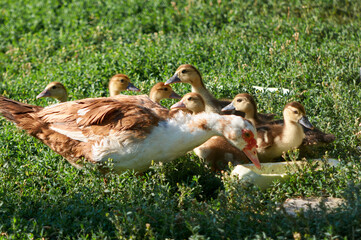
{"x": 131, "y": 130}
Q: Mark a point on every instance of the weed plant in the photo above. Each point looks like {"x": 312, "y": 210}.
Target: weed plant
{"x": 311, "y": 48}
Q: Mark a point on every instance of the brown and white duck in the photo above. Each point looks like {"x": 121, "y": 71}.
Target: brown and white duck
{"x": 187, "y": 73}
{"x": 161, "y": 91}
{"x": 119, "y": 83}
{"x": 132, "y": 131}
{"x": 55, "y": 90}
{"x": 217, "y": 151}
{"x": 274, "y": 139}
{"x": 314, "y": 138}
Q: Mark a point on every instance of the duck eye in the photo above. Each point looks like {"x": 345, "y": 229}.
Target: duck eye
{"x": 53, "y": 87}
{"x": 121, "y": 80}
{"x": 165, "y": 89}
{"x": 190, "y": 98}
{"x": 295, "y": 112}
{"x": 184, "y": 71}
{"x": 239, "y": 100}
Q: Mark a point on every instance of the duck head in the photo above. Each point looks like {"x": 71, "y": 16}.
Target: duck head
{"x": 243, "y": 136}
{"x": 192, "y": 102}
{"x": 119, "y": 83}
{"x": 186, "y": 73}
{"x": 243, "y": 102}
{"x": 295, "y": 112}
{"x": 54, "y": 90}
{"x": 161, "y": 91}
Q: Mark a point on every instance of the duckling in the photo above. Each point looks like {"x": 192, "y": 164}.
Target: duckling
{"x": 160, "y": 91}
{"x": 193, "y": 102}
{"x": 55, "y": 90}
{"x": 119, "y": 83}
{"x": 131, "y": 131}
{"x": 187, "y": 73}
{"x": 274, "y": 139}
{"x": 314, "y": 138}
{"x": 245, "y": 103}
{"x": 217, "y": 151}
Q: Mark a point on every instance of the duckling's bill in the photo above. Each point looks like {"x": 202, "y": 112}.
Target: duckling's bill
{"x": 44, "y": 93}
{"x": 177, "y": 105}
{"x": 175, "y": 95}
{"x": 229, "y": 107}
{"x": 174, "y": 79}
{"x": 131, "y": 87}
{"x": 306, "y": 123}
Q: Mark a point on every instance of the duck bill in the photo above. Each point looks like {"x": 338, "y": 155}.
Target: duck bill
{"x": 44, "y": 93}
{"x": 252, "y": 155}
{"x": 174, "y": 79}
{"x": 175, "y": 96}
{"x": 229, "y": 107}
{"x": 179, "y": 104}
{"x": 304, "y": 122}
{"x": 131, "y": 87}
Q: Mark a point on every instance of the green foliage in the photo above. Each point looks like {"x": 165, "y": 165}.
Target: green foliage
{"x": 311, "y": 48}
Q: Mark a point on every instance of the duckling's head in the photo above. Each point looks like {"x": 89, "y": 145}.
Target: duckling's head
{"x": 186, "y": 73}
{"x": 55, "y": 90}
{"x": 119, "y": 83}
{"x": 161, "y": 91}
{"x": 295, "y": 112}
{"x": 242, "y": 102}
{"x": 192, "y": 102}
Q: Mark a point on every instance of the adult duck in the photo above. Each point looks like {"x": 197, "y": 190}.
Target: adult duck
{"x": 313, "y": 139}
{"x": 217, "y": 151}
{"x": 55, "y": 90}
{"x": 161, "y": 91}
{"x": 119, "y": 83}
{"x": 132, "y": 131}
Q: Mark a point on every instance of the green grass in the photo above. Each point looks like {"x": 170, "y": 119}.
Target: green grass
{"x": 311, "y": 48}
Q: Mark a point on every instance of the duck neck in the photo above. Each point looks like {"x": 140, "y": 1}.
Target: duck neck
{"x": 63, "y": 98}
{"x": 153, "y": 96}
{"x": 193, "y": 130}
{"x": 251, "y": 116}
{"x": 210, "y": 101}
{"x": 292, "y": 131}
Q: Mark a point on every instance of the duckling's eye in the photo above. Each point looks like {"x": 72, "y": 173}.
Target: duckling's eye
{"x": 184, "y": 71}
{"x": 54, "y": 87}
{"x": 165, "y": 89}
{"x": 190, "y": 98}
{"x": 239, "y": 100}
{"x": 295, "y": 112}
{"x": 121, "y": 80}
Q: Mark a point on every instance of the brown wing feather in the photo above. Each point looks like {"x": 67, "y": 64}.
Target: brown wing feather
{"x": 268, "y": 135}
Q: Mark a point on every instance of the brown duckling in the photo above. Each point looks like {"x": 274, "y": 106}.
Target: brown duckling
{"x": 119, "y": 83}
{"x": 55, "y": 90}
{"x": 161, "y": 91}
{"x": 187, "y": 73}
{"x": 274, "y": 139}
